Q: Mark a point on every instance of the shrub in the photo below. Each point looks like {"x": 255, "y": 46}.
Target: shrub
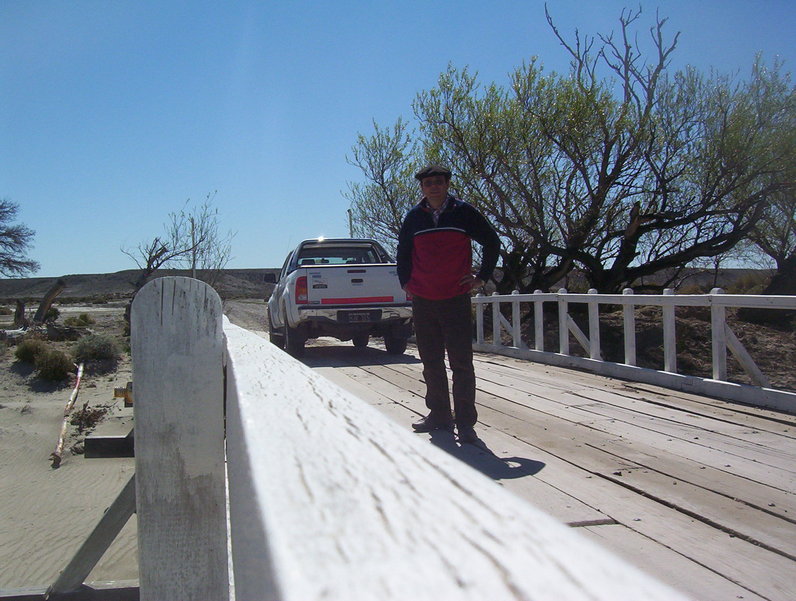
{"x": 6, "y": 311}
{"x": 53, "y": 365}
{"x": 96, "y": 347}
{"x": 81, "y": 321}
{"x": 749, "y": 283}
{"x": 29, "y": 349}
{"x": 52, "y": 315}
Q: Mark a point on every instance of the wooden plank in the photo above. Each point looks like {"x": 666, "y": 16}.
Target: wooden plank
{"x": 778, "y": 453}
{"x": 754, "y": 417}
{"x": 690, "y": 537}
{"x": 731, "y": 516}
{"x": 773, "y": 476}
{"x": 765, "y": 474}
{"x": 177, "y": 350}
{"x": 731, "y": 486}
{"x": 499, "y": 458}
{"x": 364, "y": 509}
{"x": 692, "y": 578}
{"x": 726, "y": 426}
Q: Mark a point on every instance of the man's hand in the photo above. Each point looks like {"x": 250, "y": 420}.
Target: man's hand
{"x": 470, "y": 282}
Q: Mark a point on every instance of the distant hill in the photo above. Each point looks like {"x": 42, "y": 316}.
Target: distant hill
{"x": 250, "y": 283}
{"x": 234, "y": 283}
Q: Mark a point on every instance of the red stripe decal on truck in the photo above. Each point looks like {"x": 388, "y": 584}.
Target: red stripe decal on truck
{"x": 362, "y": 300}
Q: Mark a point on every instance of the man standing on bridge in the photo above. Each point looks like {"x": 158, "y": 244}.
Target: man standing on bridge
{"x": 435, "y": 267}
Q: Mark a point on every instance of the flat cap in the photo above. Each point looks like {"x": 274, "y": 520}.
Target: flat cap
{"x": 430, "y": 170}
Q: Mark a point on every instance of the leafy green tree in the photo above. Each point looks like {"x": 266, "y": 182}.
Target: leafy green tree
{"x": 775, "y": 234}
{"x": 15, "y": 242}
{"x": 622, "y": 175}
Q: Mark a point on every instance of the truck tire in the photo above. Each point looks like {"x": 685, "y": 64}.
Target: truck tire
{"x": 396, "y": 345}
{"x": 294, "y": 341}
{"x": 361, "y": 340}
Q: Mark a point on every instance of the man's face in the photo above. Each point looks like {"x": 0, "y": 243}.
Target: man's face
{"x": 435, "y": 188}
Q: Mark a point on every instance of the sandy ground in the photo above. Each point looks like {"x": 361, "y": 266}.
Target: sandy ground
{"x": 47, "y": 513}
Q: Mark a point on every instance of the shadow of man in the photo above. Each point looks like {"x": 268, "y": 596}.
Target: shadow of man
{"x": 480, "y": 457}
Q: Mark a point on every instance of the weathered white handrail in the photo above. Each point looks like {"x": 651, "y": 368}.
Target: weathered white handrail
{"x": 328, "y": 499}
{"x": 722, "y": 338}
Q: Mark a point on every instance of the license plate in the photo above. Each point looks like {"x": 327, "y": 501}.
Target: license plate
{"x": 358, "y": 316}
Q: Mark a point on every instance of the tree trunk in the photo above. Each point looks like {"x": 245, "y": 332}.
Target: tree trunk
{"x": 52, "y": 293}
{"x": 20, "y": 321}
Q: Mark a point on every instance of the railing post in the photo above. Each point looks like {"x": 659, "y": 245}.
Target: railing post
{"x": 177, "y": 349}
{"x": 538, "y": 323}
{"x": 594, "y": 325}
{"x": 496, "y": 319}
{"x": 516, "y": 325}
{"x": 669, "y": 335}
{"x": 718, "y": 336}
{"x": 479, "y": 320}
{"x": 563, "y": 322}
{"x": 629, "y": 315}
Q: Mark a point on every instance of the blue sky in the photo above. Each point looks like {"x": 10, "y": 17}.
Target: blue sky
{"x": 113, "y": 114}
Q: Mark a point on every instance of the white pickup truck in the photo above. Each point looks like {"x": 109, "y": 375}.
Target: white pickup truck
{"x": 341, "y": 287}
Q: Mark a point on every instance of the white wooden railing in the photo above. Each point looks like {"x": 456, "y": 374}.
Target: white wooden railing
{"x": 722, "y": 338}
{"x": 327, "y": 498}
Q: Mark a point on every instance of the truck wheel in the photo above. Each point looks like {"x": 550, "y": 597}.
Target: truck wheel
{"x": 294, "y": 343}
{"x": 396, "y": 345}
{"x": 361, "y": 340}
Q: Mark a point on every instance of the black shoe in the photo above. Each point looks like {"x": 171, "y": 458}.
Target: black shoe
{"x": 467, "y": 435}
{"x": 430, "y": 423}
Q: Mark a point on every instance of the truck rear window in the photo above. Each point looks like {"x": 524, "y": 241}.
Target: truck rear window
{"x": 309, "y": 255}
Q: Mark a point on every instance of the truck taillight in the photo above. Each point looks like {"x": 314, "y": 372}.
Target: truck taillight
{"x": 301, "y": 290}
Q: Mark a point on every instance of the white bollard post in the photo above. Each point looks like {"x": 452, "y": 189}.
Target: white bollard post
{"x": 479, "y": 320}
{"x": 538, "y": 323}
{"x": 629, "y": 315}
{"x": 594, "y": 326}
{"x": 563, "y": 322}
{"x": 669, "y": 335}
{"x": 177, "y": 348}
{"x": 718, "y": 337}
{"x": 516, "y": 321}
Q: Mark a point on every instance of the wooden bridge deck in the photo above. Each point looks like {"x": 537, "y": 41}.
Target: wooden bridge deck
{"x": 697, "y": 492}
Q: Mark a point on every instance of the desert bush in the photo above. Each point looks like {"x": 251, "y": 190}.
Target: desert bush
{"x": 53, "y": 365}
{"x": 96, "y": 347}
{"x": 82, "y": 320}
{"x": 29, "y": 349}
{"x": 749, "y": 283}
{"x": 6, "y": 311}
{"x": 53, "y": 313}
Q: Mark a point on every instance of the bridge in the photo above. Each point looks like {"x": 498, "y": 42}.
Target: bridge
{"x": 307, "y": 483}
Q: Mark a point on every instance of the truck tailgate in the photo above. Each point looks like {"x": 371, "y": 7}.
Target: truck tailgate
{"x": 354, "y": 285}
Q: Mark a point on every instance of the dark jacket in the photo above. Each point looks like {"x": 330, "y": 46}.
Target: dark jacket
{"x": 432, "y": 259}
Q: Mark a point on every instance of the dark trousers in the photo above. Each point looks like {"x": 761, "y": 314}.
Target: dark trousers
{"x": 446, "y": 325}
